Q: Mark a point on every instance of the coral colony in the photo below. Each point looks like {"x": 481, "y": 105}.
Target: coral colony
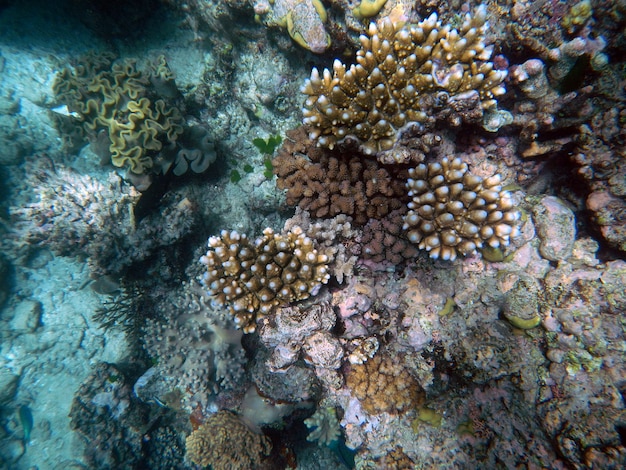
{"x": 428, "y": 293}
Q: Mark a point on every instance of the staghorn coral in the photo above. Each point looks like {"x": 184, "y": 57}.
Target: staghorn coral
{"x": 406, "y": 79}
{"x": 328, "y": 183}
{"x": 548, "y": 120}
{"x": 130, "y": 116}
{"x": 77, "y": 215}
{"x": 225, "y": 443}
{"x": 384, "y": 384}
{"x": 255, "y": 277}
{"x": 455, "y": 212}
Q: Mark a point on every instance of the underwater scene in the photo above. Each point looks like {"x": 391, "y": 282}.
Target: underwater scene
{"x": 312, "y": 234}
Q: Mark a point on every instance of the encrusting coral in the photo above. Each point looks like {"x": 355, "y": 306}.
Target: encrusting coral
{"x": 255, "y": 277}
{"x": 225, "y": 443}
{"x": 130, "y": 116}
{"x": 407, "y": 78}
{"x": 384, "y": 384}
{"x": 455, "y": 212}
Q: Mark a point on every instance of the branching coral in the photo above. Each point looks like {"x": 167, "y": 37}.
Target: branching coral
{"x": 454, "y": 212}
{"x": 255, "y": 277}
{"x": 129, "y": 115}
{"x": 406, "y": 78}
{"x": 383, "y": 241}
{"x": 324, "y": 426}
{"x": 328, "y": 183}
{"x": 78, "y": 215}
{"x": 224, "y": 442}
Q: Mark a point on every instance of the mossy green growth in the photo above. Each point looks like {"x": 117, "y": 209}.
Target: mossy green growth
{"x": 524, "y": 323}
{"x": 269, "y": 168}
{"x": 267, "y": 147}
{"x": 578, "y": 359}
{"x": 235, "y": 176}
{"x": 491, "y": 254}
{"x": 465, "y": 428}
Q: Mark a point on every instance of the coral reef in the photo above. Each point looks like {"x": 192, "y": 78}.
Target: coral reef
{"x": 512, "y": 356}
{"x": 209, "y": 363}
{"x": 131, "y": 117}
{"x": 113, "y": 423}
{"x": 224, "y": 442}
{"x": 255, "y": 277}
{"x": 384, "y": 385}
{"x": 303, "y": 19}
{"x": 327, "y": 183}
{"x": 324, "y": 426}
{"x": 77, "y": 215}
{"x": 455, "y": 212}
{"x": 407, "y": 78}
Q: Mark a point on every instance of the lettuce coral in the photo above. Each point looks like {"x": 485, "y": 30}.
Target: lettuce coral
{"x": 129, "y": 115}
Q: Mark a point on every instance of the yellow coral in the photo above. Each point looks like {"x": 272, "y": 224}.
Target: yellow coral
{"x": 224, "y": 442}
{"x": 254, "y": 278}
{"x": 368, "y": 8}
{"x": 119, "y": 108}
{"x": 403, "y": 75}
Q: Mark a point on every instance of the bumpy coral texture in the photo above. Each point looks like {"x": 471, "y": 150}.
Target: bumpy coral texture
{"x": 129, "y": 115}
{"x": 384, "y": 242}
{"x": 384, "y": 384}
{"x": 454, "y": 212}
{"x": 406, "y": 78}
{"x": 224, "y": 442}
{"x": 327, "y": 183}
{"x": 76, "y": 215}
{"x": 255, "y": 277}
